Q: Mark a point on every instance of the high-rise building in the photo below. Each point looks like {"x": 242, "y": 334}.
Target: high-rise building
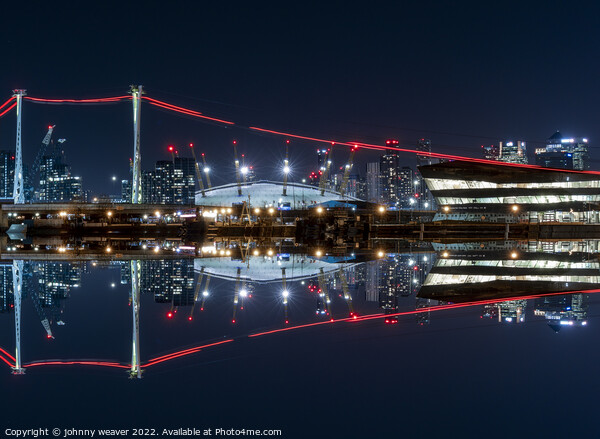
{"x": 7, "y": 174}
{"x": 389, "y": 164}
{"x": 406, "y": 187}
{"x": 56, "y": 183}
{"x": 373, "y": 183}
{"x": 6, "y": 288}
{"x": 564, "y": 152}
{"x": 126, "y": 191}
{"x": 185, "y": 179}
{"x": 168, "y": 183}
{"x": 424, "y": 145}
{"x": 169, "y": 281}
{"x": 512, "y": 152}
{"x": 559, "y": 311}
{"x": 490, "y": 152}
{"x": 554, "y": 159}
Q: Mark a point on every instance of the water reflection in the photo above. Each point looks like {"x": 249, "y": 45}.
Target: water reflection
{"x": 249, "y": 290}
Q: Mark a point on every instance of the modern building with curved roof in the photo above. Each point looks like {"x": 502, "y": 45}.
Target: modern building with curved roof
{"x": 267, "y": 193}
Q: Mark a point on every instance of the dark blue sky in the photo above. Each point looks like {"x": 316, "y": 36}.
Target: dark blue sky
{"x": 363, "y": 72}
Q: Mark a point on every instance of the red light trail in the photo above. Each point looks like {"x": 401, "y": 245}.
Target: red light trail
{"x": 6, "y": 361}
{"x": 77, "y": 362}
{"x": 185, "y": 111}
{"x": 183, "y": 353}
{"x": 7, "y": 354}
{"x": 197, "y": 114}
{"x": 77, "y": 101}
{"x": 6, "y": 103}
{"x": 8, "y": 109}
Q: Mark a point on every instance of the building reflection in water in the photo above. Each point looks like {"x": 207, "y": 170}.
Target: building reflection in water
{"x": 512, "y": 283}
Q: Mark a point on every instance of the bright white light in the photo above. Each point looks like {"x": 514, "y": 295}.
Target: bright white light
{"x": 243, "y": 293}
{"x": 112, "y": 285}
{"x": 286, "y": 169}
{"x": 157, "y": 214}
{"x": 206, "y": 170}
{"x": 426, "y": 205}
{"x": 144, "y": 247}
{"x": 205, "y": 293}
{"x": 411, "y": 262}
{"x": 285, "y": 293}
{"x": 145, "y": 216}
{"x": 114, "y": 178}
{"x": 244, "y": 170}
{"x": 425, "y": 258}
{"x": 412, "y": 201}
{"x": 156, "y": 249}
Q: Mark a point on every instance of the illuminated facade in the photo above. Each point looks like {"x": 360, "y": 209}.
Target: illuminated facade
{"x": 564, "y": 152}
{"x": 492, "y": 275}
{"x": 512, "y": 152}
{"x": 520, "y": 192}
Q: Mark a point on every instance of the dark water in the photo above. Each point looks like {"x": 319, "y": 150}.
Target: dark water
{"x": 472, "y": 339}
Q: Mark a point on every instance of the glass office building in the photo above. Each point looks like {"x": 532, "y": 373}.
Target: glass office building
{"x": 519, "y": 192}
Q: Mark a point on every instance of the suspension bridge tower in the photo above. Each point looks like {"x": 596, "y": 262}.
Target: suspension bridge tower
{"x": 18, "y": 191}
{"x": 136, "y": 184}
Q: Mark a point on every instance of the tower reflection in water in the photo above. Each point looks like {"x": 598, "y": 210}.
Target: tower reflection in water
{"x": 512, "y": 282}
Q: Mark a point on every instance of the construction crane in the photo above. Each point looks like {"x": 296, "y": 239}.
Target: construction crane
{"x": 347, "y": 171}
{"x": 325, "y": 173}
{"x": 286, "y": 168}
{"x": 237, "y": 168}
{"x": 206, "y": 171}
{"x": 285, "y": 294}
{"x": 40, "y": 311}
{"x": 196, "y": 294}
{"x": 37, "y": 162}
{"x": 346, "y": 291}
{"x": 198, "y": 173}
{"x": 324, "y": 293}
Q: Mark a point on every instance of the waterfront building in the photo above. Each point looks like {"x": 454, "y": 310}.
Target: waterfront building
{"x": 512, "y": 193}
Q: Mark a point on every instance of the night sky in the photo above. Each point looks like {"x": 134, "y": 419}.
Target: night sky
{"x": 460, "y": 74}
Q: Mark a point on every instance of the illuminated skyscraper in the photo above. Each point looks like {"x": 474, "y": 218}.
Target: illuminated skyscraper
{"x": 7, "y": 173}
{"x": 564, "y": 153}
{"x": 513, "y": 152}
{"x": 373, "y": 183}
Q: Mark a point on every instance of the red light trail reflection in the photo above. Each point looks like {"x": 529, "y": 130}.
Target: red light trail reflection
{"x": 196, "y": 349}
